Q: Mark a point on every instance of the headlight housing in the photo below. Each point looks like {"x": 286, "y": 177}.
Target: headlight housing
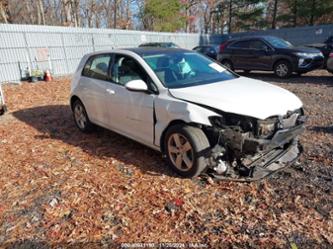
{"x": 308, "y": 55}
{"x": 230, "y": 119}
{"x": 266, "y": 128}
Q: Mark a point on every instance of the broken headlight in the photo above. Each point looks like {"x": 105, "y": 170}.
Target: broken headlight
{"x": 217, "y": 121}
{"x": 267, "y": 127}
{"x": 230, "y": 119}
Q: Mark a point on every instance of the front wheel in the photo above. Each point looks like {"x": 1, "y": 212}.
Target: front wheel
{"x": 186, "y": 148}
{"x": 283, "y": 69}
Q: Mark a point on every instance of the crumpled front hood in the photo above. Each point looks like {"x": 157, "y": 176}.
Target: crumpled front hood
{"x": 242, "y": 96}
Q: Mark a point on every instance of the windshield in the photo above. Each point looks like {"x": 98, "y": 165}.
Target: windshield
{"x": 183, "y": 69}
{"x": 278, "y": 42}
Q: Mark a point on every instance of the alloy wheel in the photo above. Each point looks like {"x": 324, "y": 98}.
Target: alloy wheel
{"x": 180, "y": 152}
{"x": 80, "y": 116}
{"x": 282, "y": 70}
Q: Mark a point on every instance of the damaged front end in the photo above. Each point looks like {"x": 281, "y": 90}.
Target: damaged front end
{"x": 248, "y": 149}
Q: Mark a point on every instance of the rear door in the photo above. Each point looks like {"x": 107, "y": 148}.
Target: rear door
{"x": 261, "y": 55}
{"x": 94, "y": 84}
{"x": 240, "y": 54}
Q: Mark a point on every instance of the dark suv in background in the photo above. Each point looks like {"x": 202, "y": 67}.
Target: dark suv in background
{"x": 269, "y": 53}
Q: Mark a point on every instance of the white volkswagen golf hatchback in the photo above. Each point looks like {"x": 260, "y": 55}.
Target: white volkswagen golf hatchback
{"x": 201, "y": 116}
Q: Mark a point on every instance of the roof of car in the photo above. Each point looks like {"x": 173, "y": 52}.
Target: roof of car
{"x": 251, "y": 37}
{"x": 155, "y": 50}
{"x": 141, "y": 51}
{"x": 156, "y": 43}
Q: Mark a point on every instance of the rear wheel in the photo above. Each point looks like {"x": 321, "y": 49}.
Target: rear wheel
{"x": 283, "y": 69}
{"x": 81, "y": 118}
{"x": 186, "y": 148}
{"x": 228, "y": 64}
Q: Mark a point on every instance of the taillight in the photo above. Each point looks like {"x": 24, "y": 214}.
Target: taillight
{"x": 223, "y": 46}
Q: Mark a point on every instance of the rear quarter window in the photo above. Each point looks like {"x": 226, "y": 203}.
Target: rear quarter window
{"x": 97, "y": 67}
{"x": 240, "y": 44}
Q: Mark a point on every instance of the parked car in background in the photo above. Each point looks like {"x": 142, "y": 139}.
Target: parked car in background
{"x": 330, "y": 63}
{"x": 269, "y": 53}
{"x": 208, "y": 50}
{"x": 201, "y": 116}
{"x": 159, "y": 45}
{"x": 326, "y": 48}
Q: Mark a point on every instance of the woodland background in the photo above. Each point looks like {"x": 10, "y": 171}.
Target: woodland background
{"x": 205, "y": 16}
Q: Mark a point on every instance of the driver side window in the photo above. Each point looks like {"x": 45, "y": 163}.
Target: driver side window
{"x": 126, "y": 69}
{"x": 259, "y": 45}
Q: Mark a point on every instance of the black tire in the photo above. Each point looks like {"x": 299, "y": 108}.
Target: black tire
{"x": 84, "y": 123}
{"x": 199, "y": 148}
{"x": 283, "y": 69}
{"x": 228, "y": 64}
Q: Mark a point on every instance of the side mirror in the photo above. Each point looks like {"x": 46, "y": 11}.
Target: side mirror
{"x": 136, "y": 86}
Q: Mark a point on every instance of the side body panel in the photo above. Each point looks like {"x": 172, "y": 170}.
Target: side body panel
{"x": 168, "y": 109}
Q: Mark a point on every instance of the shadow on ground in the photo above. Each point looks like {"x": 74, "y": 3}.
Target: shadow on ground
{"x": 324, "y": 129}
{"x": 295, "y": 79}
{"x": 56, "y": 122}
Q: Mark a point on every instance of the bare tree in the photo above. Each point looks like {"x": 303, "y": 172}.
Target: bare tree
{"x": 4, "y": 11}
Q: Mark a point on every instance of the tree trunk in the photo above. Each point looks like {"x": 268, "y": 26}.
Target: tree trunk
{"x": 313, "y": 10}
{"x": 115, "y": 14}
{"x": 274, "y": 14}
{"x": 41, "y": 9}
{"x": 295, "y": 10}
{"x": 230, "y": 17}
{"x": 4, "y": 10}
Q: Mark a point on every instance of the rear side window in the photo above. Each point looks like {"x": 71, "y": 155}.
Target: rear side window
{"x": 257, "y": 44}
{"x": 97, "y": 67}
{"x": 240, "y": 44}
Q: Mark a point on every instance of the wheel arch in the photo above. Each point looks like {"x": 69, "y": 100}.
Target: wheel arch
{"x": 73, "y": 99}
{"x": 172, "y": 123}
{"x": 283, "y": 59}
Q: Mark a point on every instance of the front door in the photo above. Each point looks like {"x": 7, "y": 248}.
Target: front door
{"x": 134, "y": 110}
{"x": 261, "y": 55}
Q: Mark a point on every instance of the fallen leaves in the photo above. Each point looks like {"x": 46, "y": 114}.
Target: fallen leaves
{"x": 61, "y": 186}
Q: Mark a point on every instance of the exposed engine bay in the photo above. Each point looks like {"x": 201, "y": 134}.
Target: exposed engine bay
{"x": 249, "y": 149}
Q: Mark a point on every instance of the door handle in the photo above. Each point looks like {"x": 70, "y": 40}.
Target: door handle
{"x": 110, "y": 91}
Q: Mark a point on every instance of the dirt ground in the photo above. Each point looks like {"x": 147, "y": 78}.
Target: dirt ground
{"x": 59, "y": 187}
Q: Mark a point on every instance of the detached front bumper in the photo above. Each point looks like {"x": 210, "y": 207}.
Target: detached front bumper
{"x": 280, "y": 138}
{"x": 269, "y": 163}
{"x": 266, "y": 156}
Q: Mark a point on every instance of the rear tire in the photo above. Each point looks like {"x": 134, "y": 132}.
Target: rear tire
{"x": 283, "y": 69}
{"x": 81, "y": 118}
{"x": 186, "y": 148}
